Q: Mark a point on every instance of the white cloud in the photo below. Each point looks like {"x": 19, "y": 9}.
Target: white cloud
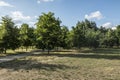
{"x": 35, "y": 16}
{"x": 114, "y": 28}
{"x": 107, "y": 25}
{"x": 39, "y": 1}
{"x": 5, "y": 4}
{"x": 19, "y": 18}
{"x": 32, "y": 23}
{"x": 17, "y": 15}
{"x": 94, "y": 15}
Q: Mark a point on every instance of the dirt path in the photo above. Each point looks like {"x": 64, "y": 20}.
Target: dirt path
{"x": 13, "y": 57}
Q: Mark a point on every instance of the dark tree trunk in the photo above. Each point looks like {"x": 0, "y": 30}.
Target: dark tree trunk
{"x": 48, "y": 51}
{"x": 43, "y": 49}
{"x": 5, "y": 50}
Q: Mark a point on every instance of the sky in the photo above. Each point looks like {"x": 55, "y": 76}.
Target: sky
{"x": 105, "y": 13}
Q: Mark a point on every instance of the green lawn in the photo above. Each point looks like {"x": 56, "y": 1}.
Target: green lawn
{"x": 65, "y": 66}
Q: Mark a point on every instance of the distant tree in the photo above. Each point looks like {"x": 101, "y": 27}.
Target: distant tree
{"x": 108, "y": 38}
{"x": 118, "y": 34}
{"x": 79, "y": 35}
{"x": 24, "y": 35}
{"x": 70, "y": 39}
{"x": 48, "y": 31}
{"x": 65, "y": 38}
{"x": 89, "y": 25}
{"x": 32, "y": 37}
{"x": 85, "y": 34}
{"x": 92, "y": 38}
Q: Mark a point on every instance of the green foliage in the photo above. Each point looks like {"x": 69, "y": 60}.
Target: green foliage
{"x": 9, "y": 33}
{"x": 49, "y": 34}
{"x": 48, "y": 31}
{"x": 27, "y": 36}
{"x": 118, "y": 34}
{"x": 65, "y": 37}
{"x": 108, "y": 38}
{"x": 79, "y": 37}
{"x": 92, "y": 38}
{"x": 85, "y": 34}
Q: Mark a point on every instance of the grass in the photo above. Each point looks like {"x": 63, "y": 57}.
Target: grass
{"x": 13, "y": 52}
{"x": 64, "y": 66}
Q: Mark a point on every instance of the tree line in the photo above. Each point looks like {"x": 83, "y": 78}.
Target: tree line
{"x": 49, "y": 34}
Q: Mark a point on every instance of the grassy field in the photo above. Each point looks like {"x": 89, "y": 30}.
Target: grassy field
{"x": 14, "y": 52}
{"x": 100, "y": 64}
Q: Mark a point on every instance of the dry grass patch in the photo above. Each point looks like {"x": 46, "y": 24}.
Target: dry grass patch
{"x": 62, "y": 67}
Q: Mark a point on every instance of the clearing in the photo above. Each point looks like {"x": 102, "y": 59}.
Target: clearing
{"x": 91, "y": 65}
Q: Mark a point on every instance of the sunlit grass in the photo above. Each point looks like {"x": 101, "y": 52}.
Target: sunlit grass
{"x": 16, "y": 51}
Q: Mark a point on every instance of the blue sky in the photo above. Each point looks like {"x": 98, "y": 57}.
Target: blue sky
{"x": 103, "y": 12}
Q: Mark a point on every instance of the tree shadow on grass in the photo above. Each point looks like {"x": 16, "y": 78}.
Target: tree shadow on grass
{"x": 84, "y": 55}
{"x": 102, "y": 51}
{"x": 29, "y": 65}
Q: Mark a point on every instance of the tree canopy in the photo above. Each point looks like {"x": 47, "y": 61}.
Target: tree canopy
{"x": 49, "y": 34}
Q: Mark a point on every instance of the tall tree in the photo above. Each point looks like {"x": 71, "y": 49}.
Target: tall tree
{"x": 79, "y": 35}
{"x": 32, "y": 36}
{"x": 9, "y": 34}
{"x": 48, "y": 31}
{"x": 65, "y": 37}
{"x": 24, "y": 35}
{"x": 92, "y": 38}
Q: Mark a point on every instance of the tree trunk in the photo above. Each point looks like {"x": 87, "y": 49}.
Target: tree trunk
{"x": 43, "y": 49}
{"x": 48, "y": 51}
{"x": 5, "y": 50}
{"x": 26, "y": 48}
{"x": 22, "y": 48}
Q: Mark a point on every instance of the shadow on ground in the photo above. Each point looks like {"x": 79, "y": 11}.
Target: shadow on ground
{"x": 29, "y": 65}
{"x": 84, "y": 55}
{"x": 102, "y": 51}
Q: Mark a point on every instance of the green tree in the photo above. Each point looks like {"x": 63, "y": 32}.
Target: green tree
{"x": 65, "y": 38}
{"x": 118, "y": 34}
{"x": 92, "y": 38}
{"x": 9, "y": 34}
{"x": 79, "y": 35}
{"x": 48, "y": 31}
{"x": 86, "y": 34}
{"x": 108, "y": 38}
{"x": 24, "y": 35}
{"x": 32, "y": 36}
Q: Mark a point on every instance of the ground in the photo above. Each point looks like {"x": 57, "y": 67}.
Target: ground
{"x": 92, "y": 65}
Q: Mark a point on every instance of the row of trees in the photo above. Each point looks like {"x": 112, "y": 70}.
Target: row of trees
{"x": 49, "y": 34}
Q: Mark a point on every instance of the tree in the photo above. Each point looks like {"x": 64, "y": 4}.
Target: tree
{"x": 92, "y": 38}
{"x": 65, "y": 38}
{"x": 9, "y": 33}
{"x": 32, "y": 37}
{"x": 48, "y": 31}
{"x": 86, "y": 34}
{"x": 79, "y": 35}
{"x": 118, "y": 34}
{"x": 24, "y": 38}
{"x": 108, "y": 38}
